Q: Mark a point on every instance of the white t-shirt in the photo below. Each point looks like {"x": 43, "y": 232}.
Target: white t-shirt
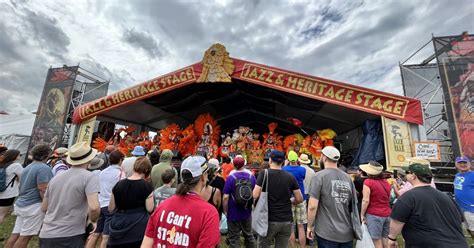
{"x": 13, "y": 170}
{"x": 107, "y": 179}
{"x": 127, "y": 166}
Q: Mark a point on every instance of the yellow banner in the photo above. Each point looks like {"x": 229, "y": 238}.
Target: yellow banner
{"x": 397, "y": 138}
{"x": 86, "y": 131}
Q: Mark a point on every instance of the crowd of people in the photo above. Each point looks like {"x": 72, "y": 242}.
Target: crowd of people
{"x": 78, "y": 197}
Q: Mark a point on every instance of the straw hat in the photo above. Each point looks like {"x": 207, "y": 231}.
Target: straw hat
{"x": 304, "y": 159}
{"x": 371, "y": 169}
{"x": 96, "y": 163}
{"x": 80, "y": 153}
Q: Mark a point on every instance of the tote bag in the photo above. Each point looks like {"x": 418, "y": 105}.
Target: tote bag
{"x": 260, "y": 212}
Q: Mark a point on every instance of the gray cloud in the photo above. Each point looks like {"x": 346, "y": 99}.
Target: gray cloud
{"x": 356, "y": 42}
{"x": 143, "y": 41}
{"x": 47, "y": 33}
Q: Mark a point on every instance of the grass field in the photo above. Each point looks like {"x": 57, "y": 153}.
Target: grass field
{"x": 7, "y": 226}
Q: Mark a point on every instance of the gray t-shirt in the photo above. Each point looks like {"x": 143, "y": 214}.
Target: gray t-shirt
{"x": 34, "y": 174}
{"x": 162, "y": 193}
{"x": 333, "y": 188}
{"x": 67, "y": 203}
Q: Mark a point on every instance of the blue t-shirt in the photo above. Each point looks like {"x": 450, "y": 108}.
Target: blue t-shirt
{"x": 464, "y": 190}
{"x": 34, "y": 174}
{"x": 234, "y": 212}
{"x": 299, "y": 173}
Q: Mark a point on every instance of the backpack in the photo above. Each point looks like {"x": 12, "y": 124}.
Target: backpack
{"x": 3, "y": 179}
{"x": 243, "y": 196}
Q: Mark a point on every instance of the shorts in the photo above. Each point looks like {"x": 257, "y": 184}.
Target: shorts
{"x": 78, "y": 241}
{"x": 469, "y": 220}
{"x": 378, "y": 226}
{"x": 7, "y": 202}
{"x": 103, "y": 223}
{"x": 299, "y": 213}
{"x": 29, "y": 219}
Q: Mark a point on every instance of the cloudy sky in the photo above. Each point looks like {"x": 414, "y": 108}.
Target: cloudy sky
{"x": 357, "y": 42}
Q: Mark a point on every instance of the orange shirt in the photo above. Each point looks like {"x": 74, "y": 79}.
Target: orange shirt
{"x": 226, "y": 169}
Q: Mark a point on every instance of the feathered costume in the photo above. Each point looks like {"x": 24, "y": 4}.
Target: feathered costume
{"x": 207, "y": 132}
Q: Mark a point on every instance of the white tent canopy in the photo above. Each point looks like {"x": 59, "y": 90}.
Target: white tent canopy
{"x": 15, "y": 131}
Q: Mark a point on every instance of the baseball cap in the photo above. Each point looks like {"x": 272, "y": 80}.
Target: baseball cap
{"x": 462, "y": 159}
{"x": 277, "y": 156}
{"x": 196, "y": 165}
{"x": 213, "y": 163}
{"x": 331, "y": 152}
{"x": 292, "y": 156}
{"x": 238, "y": 162}
{"x": 419, "y": 169}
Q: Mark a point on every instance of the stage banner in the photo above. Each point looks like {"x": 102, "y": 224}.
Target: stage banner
{"x": 351, "y": 96}
{"x": 53, "y": 107}
{"x": 455, "y": 55}
{"x": 141, "y": 91}
{"x": 397, "y": 139}
{"x": 86, "y": 130}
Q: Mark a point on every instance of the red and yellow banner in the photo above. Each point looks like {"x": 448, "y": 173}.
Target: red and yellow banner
{"x": 350, "y": 96}
{"x": 141, "y": 91}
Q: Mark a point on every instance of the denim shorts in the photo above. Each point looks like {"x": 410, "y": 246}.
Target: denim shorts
{"x": 378, "y": 226}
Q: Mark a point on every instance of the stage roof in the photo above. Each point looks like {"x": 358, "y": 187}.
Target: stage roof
{"x": 254, "y": 95}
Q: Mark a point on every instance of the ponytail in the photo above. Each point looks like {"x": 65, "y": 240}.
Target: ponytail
{"x": 183, "y": 189}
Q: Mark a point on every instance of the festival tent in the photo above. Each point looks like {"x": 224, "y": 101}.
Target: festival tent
{"x": 243, "y": 93}
{"x": 15, "y": 131}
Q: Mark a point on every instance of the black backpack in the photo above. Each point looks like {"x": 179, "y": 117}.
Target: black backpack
{"x": 243, "y": 196}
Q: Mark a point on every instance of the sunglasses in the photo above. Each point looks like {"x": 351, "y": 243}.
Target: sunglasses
{"x": 408, "y": 172}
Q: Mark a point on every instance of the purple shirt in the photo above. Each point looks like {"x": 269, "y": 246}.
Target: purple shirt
{"x": 234, "y": 212}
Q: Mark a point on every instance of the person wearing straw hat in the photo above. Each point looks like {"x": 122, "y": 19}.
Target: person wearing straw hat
{"x": 304, "y": 161}
{"x": 71, "y": 197}
{"x": 426, "y": 217}
{"x": 375, "y": 210}
{"x": 185, "y": 214}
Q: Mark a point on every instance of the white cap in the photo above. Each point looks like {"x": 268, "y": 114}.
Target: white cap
{"x": 195, "y": 164}
{"x": 331, "y": 152}
{"x": 213, "y": 163}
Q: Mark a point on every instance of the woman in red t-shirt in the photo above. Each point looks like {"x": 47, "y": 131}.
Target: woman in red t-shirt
{"x": 185, "y": 220}
{"x": 375, "y": 210}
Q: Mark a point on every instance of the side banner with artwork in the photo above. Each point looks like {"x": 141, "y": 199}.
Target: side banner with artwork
{"x": 455, "y": 56}
{"x": 86, "y": 130}
{"x": 53, "y": 107}
{"x": 397, "y": 140}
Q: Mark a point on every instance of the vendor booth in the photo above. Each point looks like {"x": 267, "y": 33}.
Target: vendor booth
{"x": 224, "y": 106}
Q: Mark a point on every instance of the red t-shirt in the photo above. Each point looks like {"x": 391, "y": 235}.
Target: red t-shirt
{"x": 379, "y": 204}
{"x": 184, "y": 221}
